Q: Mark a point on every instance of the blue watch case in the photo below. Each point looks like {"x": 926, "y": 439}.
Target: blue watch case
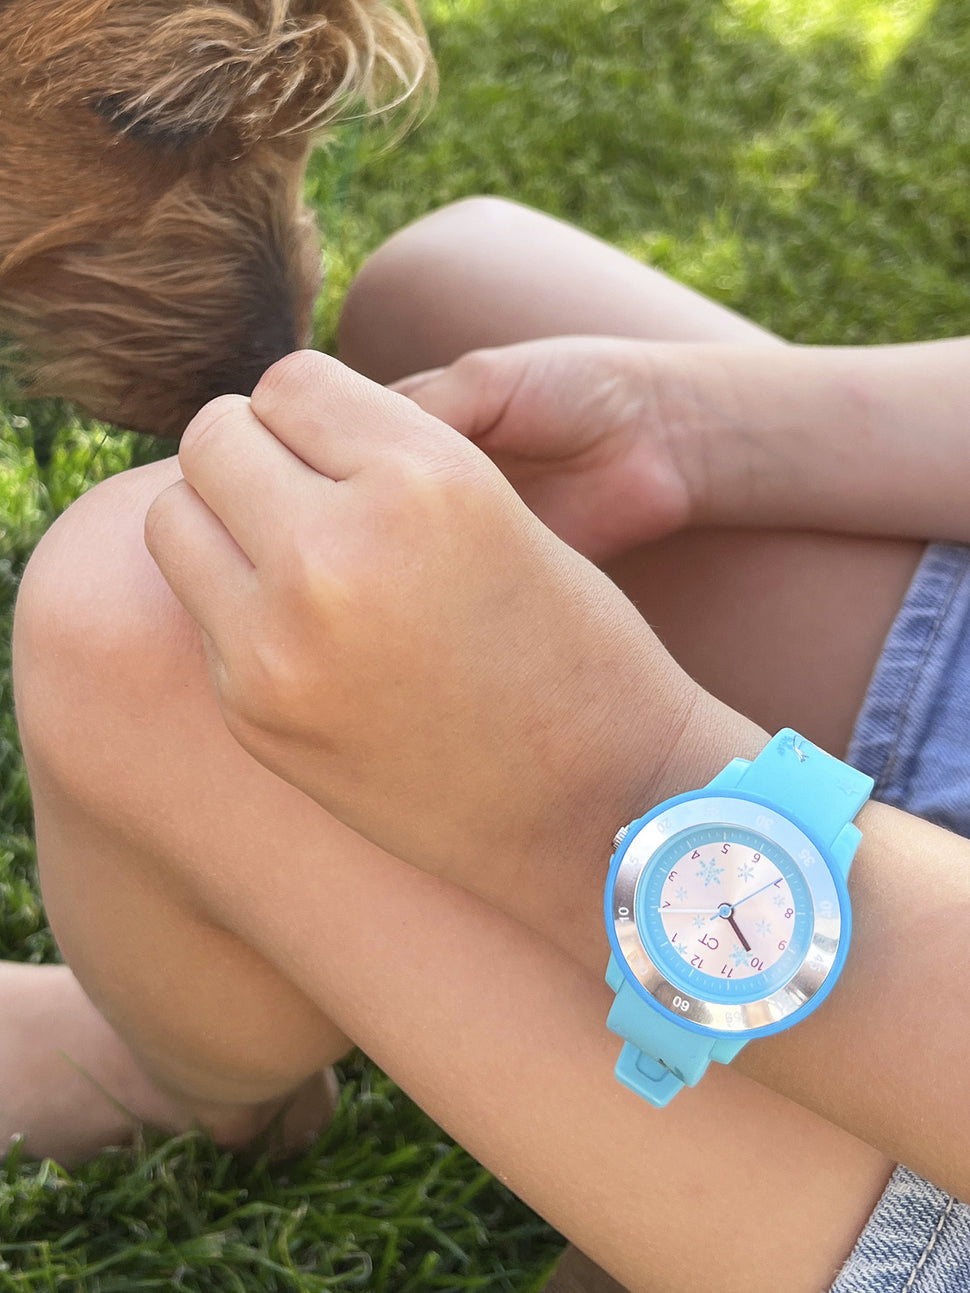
{"x": 790, "y": 810}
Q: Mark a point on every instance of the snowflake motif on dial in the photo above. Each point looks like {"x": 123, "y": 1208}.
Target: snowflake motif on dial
{"x": 763, "y": 928}
{"x": 738, "y": 956}
{"x": 710, "y": 873}
{"x": 745, "y": 871}
{"x": 683, "y": 949}
{"x": 778, "y": 899}
{"x": 699, "y": 922}
{"x": 681, "y": 894}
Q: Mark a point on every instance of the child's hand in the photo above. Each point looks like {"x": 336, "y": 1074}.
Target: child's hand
{"x": 390, "y": 629}
{"x": 599, "y": 435}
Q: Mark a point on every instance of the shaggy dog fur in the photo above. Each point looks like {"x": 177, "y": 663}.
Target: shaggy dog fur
{"x": 155, "y": 250}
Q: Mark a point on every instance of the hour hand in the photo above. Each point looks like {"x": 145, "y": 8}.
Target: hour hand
{"x": 741, "y": 938}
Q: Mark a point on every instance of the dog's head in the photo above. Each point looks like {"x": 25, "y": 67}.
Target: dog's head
{"x": 155, "y": 250}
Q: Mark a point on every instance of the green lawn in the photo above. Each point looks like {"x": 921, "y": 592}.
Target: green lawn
{"x": 805, "y": 161}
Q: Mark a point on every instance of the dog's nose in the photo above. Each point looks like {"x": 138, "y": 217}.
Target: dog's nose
{"x": 275, "y": 337}
{"x": 270, "y": 335}
{"x": 238, "y": 373}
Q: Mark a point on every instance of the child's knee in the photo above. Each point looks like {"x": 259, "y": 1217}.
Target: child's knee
{"x": 96, "y": 632}
{"x": 418, "y": 269}
{"x": 456, "y": 230}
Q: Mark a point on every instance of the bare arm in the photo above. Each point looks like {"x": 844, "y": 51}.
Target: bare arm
{"x": 614, "y": 442}
{"x": 425, "y": 660}
{"x": 869, "y": 440}
{"x": 887, "y": 1057}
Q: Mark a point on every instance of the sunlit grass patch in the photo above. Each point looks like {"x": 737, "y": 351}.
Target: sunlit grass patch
{"x": 881, "y": 29}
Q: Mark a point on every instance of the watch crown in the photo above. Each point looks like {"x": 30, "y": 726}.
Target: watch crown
{"x": 619, "y": 837}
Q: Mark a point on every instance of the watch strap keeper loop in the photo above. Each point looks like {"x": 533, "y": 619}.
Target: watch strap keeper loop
{"x": 683, "y": 1056}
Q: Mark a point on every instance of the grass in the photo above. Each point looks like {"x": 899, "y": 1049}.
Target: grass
{"x": 804, "y": 161}
{"x": 384, "y": 1204}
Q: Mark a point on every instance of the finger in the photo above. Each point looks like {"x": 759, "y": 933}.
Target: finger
{"x": 471, "y": 395}
{"x": 201, "y": 562}
{"x": 448, "y": 396}
{"x": 245, "y": 475}
{"x": 339, "y": 422}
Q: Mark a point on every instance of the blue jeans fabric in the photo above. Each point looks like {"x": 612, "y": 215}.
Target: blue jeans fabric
{"x": 916, "y": 1241}
{"x": 913, "y": 738}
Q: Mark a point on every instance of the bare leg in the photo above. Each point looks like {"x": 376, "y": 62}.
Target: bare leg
{"x": 74, "y": 1086}
{"x": 161, "y": 840}
{"x": 200, "y": 1013}
{"x": 487, "y": 272}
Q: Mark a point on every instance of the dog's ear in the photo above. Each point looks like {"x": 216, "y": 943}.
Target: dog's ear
{"x": 173, "y": 75}
{"x": 128, "y": 117}
{"x": 199, "y": 69}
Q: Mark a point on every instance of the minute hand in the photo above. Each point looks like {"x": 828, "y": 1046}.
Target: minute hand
{"x": 746, "y": 897}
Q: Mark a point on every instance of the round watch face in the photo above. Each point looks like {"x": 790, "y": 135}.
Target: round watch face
{"x": 726, "y": 913}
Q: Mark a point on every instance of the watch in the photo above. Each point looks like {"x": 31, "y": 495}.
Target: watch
{"x": 728, "y": 913}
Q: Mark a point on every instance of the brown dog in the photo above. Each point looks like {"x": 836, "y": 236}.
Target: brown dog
{"x": 154, "y": 246}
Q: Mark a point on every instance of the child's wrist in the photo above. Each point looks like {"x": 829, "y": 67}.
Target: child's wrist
{"x": 712, "y": 735}
{"x": 659, "y": 756}
{"x": 711, "y": 397}
{"x": 676, "y": 746}
{"x": 776, "y": 439}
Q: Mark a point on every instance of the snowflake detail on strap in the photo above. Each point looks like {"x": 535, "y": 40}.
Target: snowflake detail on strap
{"x": 710, "y": 873}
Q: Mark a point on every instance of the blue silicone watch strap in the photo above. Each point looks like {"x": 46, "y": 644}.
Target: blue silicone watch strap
{"x": 822, "y": 795}
{"x": 817, "y": 790}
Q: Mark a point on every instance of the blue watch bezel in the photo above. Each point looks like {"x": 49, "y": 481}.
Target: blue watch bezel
{"x": 835, "y": 873}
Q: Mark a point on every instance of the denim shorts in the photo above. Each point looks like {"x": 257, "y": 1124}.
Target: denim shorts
{"x": 913, "y": 738}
